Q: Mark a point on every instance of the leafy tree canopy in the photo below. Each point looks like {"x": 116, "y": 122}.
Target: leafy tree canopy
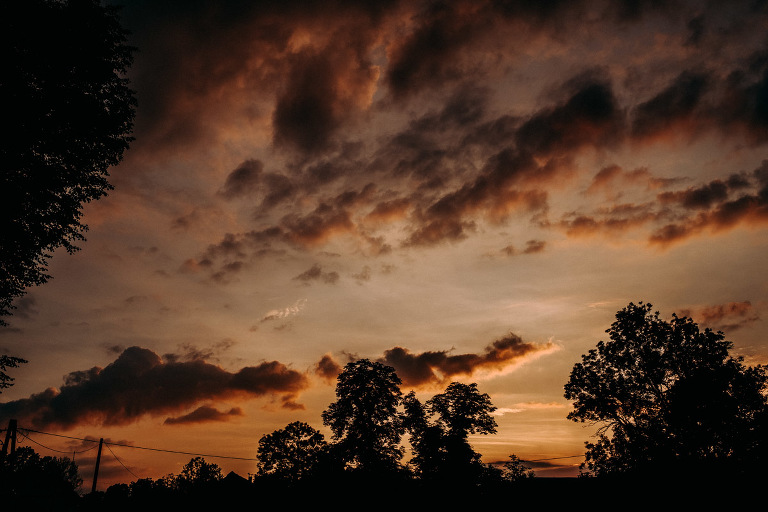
{"x": 69, "y": 117}
{"x": 24, "y": 474}
{"x": 6, "y": 362}
{"x": 462, "y": 410}
{"x": 198, "y": 472}
{"x": 364, "y": 419}
{"x": 667, "y": 396}
{"x": 290, "y": 453}
{"x": 440, "y": 428}
{"x": 515, "y": 470}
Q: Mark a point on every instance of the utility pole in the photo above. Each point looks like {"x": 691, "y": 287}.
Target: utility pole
{"x": 96, "y": 469}
{"x": 10, "y": 439}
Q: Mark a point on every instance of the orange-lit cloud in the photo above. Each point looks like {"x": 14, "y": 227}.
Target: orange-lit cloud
{"x": 437, "y": 367}
{"x": 327, "y": 368}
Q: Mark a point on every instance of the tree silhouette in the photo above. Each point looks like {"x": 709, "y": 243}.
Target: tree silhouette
{"x": 365, "y": 421}
{"x": 669, "y": 399}
{"x": 35, "y": 482}
{"x": 426, "y": 439}
{"x": 6, "y": 362}
{"x": 69, "y": 118}
{"x": 462, "y": 410}
{"x": 441, "y": 449}
{"x": 197, "y": 474}
{"x": 514, "y": 470}
{"x": 291, "y": 453}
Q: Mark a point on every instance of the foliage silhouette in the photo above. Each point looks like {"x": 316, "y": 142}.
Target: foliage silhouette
{"x": 670, "y": 400}
{"x": 441, "y": 450}
{"x": 291, "y": 453}
{"x": 71, "y": 117}
{"x": 199, "y": 472}
{"x": 38, "y": 482}
{"x": 515, "y": 470}
{"x": 365, "y": 420}
{"x": 6, "y": 362}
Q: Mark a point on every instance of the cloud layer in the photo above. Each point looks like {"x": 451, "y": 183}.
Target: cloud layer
{"x": 439, "y": 367}
{"x": 385, "y": 126}
{"x": 139, "y": 383}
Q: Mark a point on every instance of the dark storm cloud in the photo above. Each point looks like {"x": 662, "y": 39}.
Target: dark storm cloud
{"x": 428, "y": 54}
{"x": 182, "y": 80}
{"x": 743, "y": 104}
{"x": 314, "y": 75}
{"x": 437, "y": 367}
{"x": 139, "y": 383}
{"x": 670, "y": 107}
{"x": 204, "y": 414}
{"x": 442, "y": 34}
{"x": 304, "y": 117}
{"x": 590, "y": 117}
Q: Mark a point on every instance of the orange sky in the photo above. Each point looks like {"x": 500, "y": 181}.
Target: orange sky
{"x": 467, "y": 191}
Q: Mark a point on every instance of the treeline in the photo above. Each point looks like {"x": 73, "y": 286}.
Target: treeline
{"x": 675, "y": 412}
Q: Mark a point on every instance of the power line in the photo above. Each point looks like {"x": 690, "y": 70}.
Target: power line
{"x": 143, "y": 447}
{"x": 121, "y": 462}
{"x": 553, "y": 458}
{"x": 59, "y": 435}
{"x": 213, "y": 455}
{"x": 53, "y": 449}
{"x": 182, "y": 453}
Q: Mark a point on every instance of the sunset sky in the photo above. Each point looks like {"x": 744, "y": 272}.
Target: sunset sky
{"x": 465, "y": 190}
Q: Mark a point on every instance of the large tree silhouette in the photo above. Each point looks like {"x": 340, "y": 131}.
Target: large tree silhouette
{"x": 365, "y": 420}
{"x": 440, "y": 429}
{"x": 669, "y": 399}
{"x": 291, "y": 453}
{"x": 68, "y": 116}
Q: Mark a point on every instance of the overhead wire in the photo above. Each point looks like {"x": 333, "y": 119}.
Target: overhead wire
{"x": 121, "y": 462}
{"x": 53, "y": 449}
{"x": 210, "y": 455}
{"x": 553, "y": 458}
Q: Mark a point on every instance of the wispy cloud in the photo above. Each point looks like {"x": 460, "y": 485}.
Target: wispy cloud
{"x": 280, "y": 314}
